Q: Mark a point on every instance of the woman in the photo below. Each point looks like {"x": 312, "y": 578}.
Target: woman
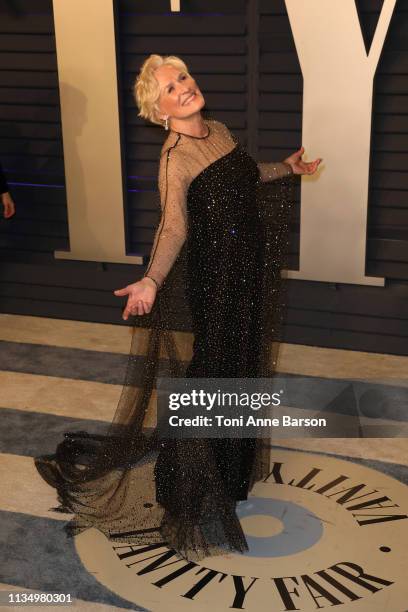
{"x": 220, "y": 243}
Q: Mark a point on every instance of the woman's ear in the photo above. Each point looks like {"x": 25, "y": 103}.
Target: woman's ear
{"x": 159, "y": 115}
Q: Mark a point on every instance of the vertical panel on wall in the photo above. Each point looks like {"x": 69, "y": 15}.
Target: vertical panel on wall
{"x": 327, "y": 314}
{"x": 30, "y": 131}
{"x": 387, "y": 249}
{"x": 280, "y": 97}
{"x": 32, "y": 281}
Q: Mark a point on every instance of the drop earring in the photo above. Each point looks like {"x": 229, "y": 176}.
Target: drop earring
{"x": 166, "y": 124}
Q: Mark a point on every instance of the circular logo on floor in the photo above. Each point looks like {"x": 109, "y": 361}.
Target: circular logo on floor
{"x": 323, "y": 533}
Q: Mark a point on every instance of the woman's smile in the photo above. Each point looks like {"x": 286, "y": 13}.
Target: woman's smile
{"x": 189, "y": 98}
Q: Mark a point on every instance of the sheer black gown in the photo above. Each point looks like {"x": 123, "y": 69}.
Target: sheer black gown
{"x": 218, "y": 254}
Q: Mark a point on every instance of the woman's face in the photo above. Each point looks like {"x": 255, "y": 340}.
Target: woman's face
{"x": 180, "y": 96}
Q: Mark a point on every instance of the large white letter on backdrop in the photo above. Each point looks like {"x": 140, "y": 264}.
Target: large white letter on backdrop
{"x": 86, "y": 55}
{"x": 337, "y": 103}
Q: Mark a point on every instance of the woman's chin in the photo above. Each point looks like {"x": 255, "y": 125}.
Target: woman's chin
{"x": 198, "y": 106}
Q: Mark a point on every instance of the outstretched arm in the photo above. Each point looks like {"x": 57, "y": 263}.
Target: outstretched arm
{"x": 270, "y": 171}
{"x": 172, "y": 229}
{"x": 293, "y": 164}
{"x": 169, "y": 238}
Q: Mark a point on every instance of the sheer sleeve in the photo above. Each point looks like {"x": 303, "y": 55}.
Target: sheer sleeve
{"x": 270, "y": 171}
{"x": 172, "y": 229}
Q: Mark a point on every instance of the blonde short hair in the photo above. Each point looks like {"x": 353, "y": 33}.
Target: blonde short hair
{"x": 146, "y": 88}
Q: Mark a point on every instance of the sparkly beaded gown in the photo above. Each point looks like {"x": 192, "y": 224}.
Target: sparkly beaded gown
{"x": 217, "y": 256}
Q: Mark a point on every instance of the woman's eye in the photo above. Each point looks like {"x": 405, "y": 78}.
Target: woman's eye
{"x": 183, "y": 76}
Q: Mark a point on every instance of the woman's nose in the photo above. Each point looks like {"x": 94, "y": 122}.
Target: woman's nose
{"x": 183, "y": 88}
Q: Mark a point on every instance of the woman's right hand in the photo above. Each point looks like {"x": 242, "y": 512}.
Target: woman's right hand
{"x": 141, "y": 297}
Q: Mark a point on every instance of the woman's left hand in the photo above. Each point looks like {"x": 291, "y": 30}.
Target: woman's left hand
{"x": 299, "y": 166}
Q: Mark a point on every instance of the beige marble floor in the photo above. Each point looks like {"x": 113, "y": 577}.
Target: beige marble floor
{"x": 33, "y": 496}
{"x": 93, "y": 400}
{"x": 84, "y": 399}
{"x": 293, "y": 358}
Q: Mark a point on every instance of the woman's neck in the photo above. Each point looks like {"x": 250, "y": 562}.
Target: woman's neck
{"x": 194, "y": 126}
